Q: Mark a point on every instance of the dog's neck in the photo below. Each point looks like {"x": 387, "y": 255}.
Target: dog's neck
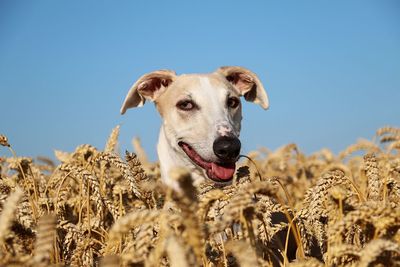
{"x": 170, "y": 158}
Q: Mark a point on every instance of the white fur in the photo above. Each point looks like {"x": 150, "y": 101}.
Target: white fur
{"x": 198, "y": 128}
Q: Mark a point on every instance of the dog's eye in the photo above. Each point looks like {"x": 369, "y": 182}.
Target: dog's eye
{"x": 233, "y": 102}
{"x": 186, "y": 105}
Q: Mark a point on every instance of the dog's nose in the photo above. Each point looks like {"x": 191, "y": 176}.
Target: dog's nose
{"x": 226, "y": 148}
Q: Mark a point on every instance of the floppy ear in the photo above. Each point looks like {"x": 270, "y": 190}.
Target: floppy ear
{"x": 149, "y": 86}
{"x": 247, "y": 83}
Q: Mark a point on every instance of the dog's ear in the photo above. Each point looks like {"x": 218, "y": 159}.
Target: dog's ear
{"x": 247, "y": 83}
{"x": 149, "y": 86}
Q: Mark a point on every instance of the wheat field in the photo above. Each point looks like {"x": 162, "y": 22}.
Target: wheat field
{"x": 284, "y": 208}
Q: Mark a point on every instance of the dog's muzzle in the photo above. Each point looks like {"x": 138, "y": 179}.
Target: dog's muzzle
{"x": 220, "y": 171}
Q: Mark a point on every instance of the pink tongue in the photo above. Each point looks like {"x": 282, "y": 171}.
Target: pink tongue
{"x": 222, "y": 172}
{"x": 214, "y": 171}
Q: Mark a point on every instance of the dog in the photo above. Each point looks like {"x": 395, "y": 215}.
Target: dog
{"x": 201, "y": 118}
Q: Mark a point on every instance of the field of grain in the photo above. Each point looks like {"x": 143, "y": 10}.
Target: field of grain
{"x": 284, "y": 208}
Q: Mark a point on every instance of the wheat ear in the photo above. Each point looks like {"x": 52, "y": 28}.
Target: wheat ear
{"x": 243, "y": 252}
{"x": 45, "y": 240}
{"x": 375, "y": 248}
{"x": 187, "y": 201}
{"x": 112, "y": 140}
{"x": 124, "y": 169}
{"x": 373, "y": 175}
{"x": 7, "y": 215}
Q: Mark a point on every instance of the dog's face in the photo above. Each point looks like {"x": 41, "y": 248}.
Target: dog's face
{"x": 201, "y": 114}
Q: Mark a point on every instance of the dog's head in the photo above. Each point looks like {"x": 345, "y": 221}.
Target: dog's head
{"x": 201, "y": 114}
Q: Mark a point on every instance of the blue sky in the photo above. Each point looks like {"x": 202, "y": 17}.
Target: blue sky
{"x": 331, "y": 68}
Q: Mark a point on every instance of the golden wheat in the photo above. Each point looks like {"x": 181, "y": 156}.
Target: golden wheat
{"x": 46, "y": 234}
{"x": 284, "y": 208}
{"x": 7, "y": 215}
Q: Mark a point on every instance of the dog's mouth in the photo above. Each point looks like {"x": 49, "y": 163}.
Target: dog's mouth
{"x": 218, "y": 172}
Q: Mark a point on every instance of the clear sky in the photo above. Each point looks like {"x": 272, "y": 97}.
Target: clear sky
{"x": 331, "y": 68}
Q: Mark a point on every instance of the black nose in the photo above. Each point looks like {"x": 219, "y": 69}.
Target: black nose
{"x": 226, "y": 148}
